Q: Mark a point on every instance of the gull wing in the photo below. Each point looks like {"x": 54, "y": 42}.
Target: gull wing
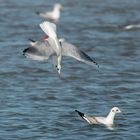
{"x": 72, "y": 51}
{"x": 39, "y": 50}
{"x": 101, "y": 120}
{"x": 50, "y": 29}
{"x": 90, "y": 120}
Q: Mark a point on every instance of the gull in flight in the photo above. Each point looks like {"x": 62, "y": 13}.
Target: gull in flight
{"x": 52, "y": 15}
{"x": 52, "y": 46}
{"x": 108, "y": 121}
{"x": 42, "y": 51}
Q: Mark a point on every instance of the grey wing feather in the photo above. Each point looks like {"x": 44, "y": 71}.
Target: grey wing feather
{"x": 72, "y": 51}
{"x": 41, "y": 51}
{"x": 90, "y": 120}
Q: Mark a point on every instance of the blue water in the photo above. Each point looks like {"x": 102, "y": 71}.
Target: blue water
{"x": 36, "y": 105}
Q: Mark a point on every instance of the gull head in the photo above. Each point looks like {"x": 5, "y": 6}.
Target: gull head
{"x": 116, "y": 110}
{"x": 58, "y": 68}
{"x": 57, "y": 64}
{"x": 58, "y": 6}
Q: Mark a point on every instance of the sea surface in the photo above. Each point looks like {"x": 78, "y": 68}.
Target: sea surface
{"x": 36, "y": 105}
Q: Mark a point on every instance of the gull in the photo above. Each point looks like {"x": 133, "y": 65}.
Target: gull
{"x": 131, "y": 26}
{"x": 56, "y": 47}
{"x": 107, "y": 121}
{"x": 52, "y": 15}
{"x": 42, "y": 51}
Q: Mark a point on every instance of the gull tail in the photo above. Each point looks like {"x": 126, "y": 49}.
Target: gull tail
{"x": 49, "y": 28}
{"x": 83, "y": 116}
{"x": 80, "y": 114}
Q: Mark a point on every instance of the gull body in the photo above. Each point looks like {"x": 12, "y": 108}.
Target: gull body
{"x": 53, "y": 15}
{"x": 108, "y": 120}
{"x": 50, "y": 30}
{"x": 42, "y": 51}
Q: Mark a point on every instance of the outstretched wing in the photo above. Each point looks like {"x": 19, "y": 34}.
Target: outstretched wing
{"x": 72, "y": 51}
{"x": 49, "y": 28}
{"x": 40, "y": 51}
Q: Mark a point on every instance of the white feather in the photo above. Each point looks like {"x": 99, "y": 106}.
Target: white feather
{"x": 36, "y": 57}
{"x": 86, "y": 119}
{"x": 49, "y": 28}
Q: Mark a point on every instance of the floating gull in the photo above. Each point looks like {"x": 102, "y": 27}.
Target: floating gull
{"x": 52, "y": 15}
{"x": 131, "y": 26}
{"x": 108, "y": 121}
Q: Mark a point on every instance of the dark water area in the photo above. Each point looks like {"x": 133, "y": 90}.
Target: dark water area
{"x": 36, "y": 105}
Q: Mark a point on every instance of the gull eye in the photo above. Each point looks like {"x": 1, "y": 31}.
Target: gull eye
{"x": 117, "y": 110}
{"x": 60, "y": 43}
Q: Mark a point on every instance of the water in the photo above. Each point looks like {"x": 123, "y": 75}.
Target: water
{"x": 36, "y": 105}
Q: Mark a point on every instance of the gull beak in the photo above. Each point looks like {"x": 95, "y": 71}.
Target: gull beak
{"x": 58, "y": 74}
{"x": 120, "y": 112}
{"x": 123, "y": 113}
{"x": 61, "y": 7}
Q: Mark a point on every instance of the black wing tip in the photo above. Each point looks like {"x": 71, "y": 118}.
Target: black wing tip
{"x": 76, "y": 111}
{"x": 90, "y": 59}
{"x": 80, "y": 113}
{"x": 24, "y": 51}
{"x": 96, "y": 64}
